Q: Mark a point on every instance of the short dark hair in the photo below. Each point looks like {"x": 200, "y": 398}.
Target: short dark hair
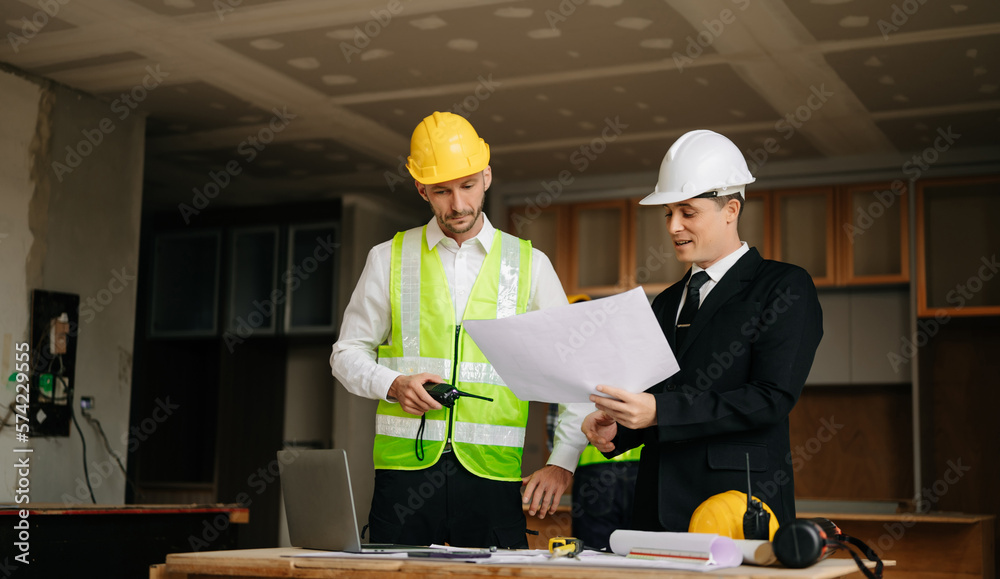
{"x": 725, "y": 199}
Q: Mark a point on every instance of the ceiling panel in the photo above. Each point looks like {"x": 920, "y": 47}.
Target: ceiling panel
{"x": 293, "y": 160}
{"x": 189, "y": 107}
{"x": 461, "y": 45}
{"x": 958, "y": 130}
{"x": 20, "y": 23}
{"x": 583, "y": 109}
{"x": 847, "y": 19}
{"x": 104, "y": 59}
{"x": 599, "y": 158}
{"x": 221, "y": 8}
{"x": 943, "y": 72}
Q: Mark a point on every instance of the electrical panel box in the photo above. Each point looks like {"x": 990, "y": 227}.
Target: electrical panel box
{"x": 54, "y": 329}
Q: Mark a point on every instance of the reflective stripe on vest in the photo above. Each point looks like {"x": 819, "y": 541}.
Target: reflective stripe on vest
{"x": 487, "y": 437}
{"x": 591, "y": 455}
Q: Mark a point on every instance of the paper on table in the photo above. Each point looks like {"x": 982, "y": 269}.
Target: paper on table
{"x": 561, "y": 354}
{"x": 707, "y": 549}
{"x": 757, "y": 552}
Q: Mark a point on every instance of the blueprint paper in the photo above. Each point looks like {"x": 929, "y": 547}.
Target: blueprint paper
{"x": 561, "y": 354}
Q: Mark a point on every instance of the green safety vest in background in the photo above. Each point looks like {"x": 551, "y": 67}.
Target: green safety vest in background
{"x": 486, "y": 437}
{"x": 593, "y": 456}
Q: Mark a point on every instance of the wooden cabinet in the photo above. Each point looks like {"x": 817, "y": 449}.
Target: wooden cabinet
{"x": 957, "y": 247}
{"x": 803, "y": 231}
{"x": 873, "y": 234}
{"x": 599, "y": 263}
{"x": 844, "y": 236}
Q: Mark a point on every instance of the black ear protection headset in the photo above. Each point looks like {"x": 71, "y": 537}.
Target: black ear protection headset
{"x": 805, "y": 542}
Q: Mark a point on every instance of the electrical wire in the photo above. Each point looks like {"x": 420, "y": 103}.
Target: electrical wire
{"x": 83, "y": 441}
{"x": 107, "y": 445}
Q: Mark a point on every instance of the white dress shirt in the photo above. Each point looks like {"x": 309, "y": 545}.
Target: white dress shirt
{"x": 367, "y": 323}
{"x": 715, "y": 273}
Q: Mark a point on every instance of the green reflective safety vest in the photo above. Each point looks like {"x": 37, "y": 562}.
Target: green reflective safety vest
{"x": 593, "y": 456}
{"x": 487, "y": 437}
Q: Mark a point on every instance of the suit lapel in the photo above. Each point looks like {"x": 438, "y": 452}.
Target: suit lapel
{"x": 732, "y": 283}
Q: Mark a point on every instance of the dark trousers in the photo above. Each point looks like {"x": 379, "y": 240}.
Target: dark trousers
{"x": 603, "y": 496}
{"x": 445, "y": 503}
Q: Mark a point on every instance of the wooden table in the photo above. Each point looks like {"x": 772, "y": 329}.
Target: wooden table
{"x": 253, "y": 563}
{"x": 928, "y": 546}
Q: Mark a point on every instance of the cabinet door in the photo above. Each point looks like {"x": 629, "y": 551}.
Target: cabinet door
{"x": 548, "y": 231}
{"x": 873, "y": 234}
{"x": 310, "y": 278}
{"x": 957, "y": 247}
{"x": 655, "y": 266}
{"x": 601, "y": 253}
{"x": 185, "y": 284}
{"x": 252, "y": 281}
{"x": 804, "y": 231}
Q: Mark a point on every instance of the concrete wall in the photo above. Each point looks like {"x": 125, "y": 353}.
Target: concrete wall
{"x": 69, "y": 222}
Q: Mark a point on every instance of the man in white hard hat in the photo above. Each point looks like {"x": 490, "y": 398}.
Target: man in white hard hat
{"x": 744, "y": 330}
{"x": 449, "y": 474}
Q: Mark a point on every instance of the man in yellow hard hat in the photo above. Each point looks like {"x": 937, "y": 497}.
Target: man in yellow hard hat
{"x": 449, "y": 474}
{"x": 744, "y": 330}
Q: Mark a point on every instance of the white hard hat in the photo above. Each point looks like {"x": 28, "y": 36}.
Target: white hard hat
{"x": 700, "y": 162}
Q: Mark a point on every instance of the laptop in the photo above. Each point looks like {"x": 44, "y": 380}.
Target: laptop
{"x": 319, "y": 504}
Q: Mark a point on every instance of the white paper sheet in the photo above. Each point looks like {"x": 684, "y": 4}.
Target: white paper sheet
{"x": 561, "y": 354}
{"x": 692, "y": 548}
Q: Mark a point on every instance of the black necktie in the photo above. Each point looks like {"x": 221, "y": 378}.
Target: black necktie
{"x": 690, "y": 308}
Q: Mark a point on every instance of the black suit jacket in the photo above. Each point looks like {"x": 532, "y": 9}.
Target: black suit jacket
{"x": 742, "y": 368}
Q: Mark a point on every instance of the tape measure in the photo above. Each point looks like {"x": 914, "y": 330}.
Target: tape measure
{"x": 565, "y": 546}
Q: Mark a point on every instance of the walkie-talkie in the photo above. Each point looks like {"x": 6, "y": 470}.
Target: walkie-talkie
{"x": 446, "y": 394}
{"x": 756, "y": 521}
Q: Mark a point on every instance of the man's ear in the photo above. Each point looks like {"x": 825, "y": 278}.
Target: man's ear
{"x": 422, "y": 190}
{"x": 733, "y": 210}
{"x": 487, "y": 177}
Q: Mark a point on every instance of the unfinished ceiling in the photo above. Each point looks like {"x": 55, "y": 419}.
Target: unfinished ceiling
{"x": 316, "y": 97}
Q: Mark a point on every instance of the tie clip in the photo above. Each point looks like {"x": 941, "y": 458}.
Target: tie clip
{"x": 683, "y": 325}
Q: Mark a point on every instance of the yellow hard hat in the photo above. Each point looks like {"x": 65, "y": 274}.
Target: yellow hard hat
{"x": 722, "y": 514}
{"x": 444, "y": 146}
{"x": 578, "y": 298}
